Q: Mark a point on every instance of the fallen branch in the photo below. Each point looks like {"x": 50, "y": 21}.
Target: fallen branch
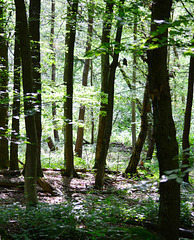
{"x": 46, "y": 186}
{"x": 4, "y": 183}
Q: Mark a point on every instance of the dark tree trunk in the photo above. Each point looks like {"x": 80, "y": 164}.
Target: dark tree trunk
{"x": 187, "y": 120}
{"x": 4, "y": 101}
{"x": 92, "y": 112}
{"x": 16, "y": 105}
{"x": 34, "y": 27}
{"x": 80, "y": 131}
{"x": 151, "y": 144}
{"x": 68, "y": 81}
{"x": 164, "y": 129}
{"x": 133, "y": 107}
{"x": 56, "y": 133}
{"x": 105, "y": 65}
{"x": 29, "y": 106}
{"x": 134, "y": 160}
{"x": 109, "y": 112}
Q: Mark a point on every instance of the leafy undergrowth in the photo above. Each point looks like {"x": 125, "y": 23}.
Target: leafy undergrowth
{"x": 120, "y": 211}
{"x": 66, "y": 222}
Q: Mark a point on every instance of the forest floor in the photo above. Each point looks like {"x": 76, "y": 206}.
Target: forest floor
{"x": 65, "y": 188}
{"x": 120, "y": 194}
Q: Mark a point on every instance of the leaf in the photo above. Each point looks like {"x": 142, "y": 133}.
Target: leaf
{"x": 173, "y": 176}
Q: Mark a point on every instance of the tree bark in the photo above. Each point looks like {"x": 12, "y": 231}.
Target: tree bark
{"x": 52, "y": 46}
{"x": 134, "y": 160}
{"x": 80, "y": 130}
{"x": 187, "y": 121}
{"x": 29, "y": 106}
{"x": 151, "y": 143}
{"x": 109, "y": 107}
{"x": 4, "y": 101}
{"x": 92, "y": 112}
{"x": 164, "y": 129}
{"x": 105, "y": 65}
{"x": 16, "y": 105}
{"x": 34, "y": 27}
{"x": 133, "y": 115}
{"x": 68, "y": 81}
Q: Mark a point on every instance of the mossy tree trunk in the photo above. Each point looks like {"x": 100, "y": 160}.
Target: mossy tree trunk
{"x": 72, "y": 8}
{"x": 80, "y": 130}
{"x": 34, "y": 27}
{"x": 164, "y": 128}
{"x": 133, "y": 105}
{"x": 187, "y": 121}
{"x": 16, "y": 105}
{"x": 53, "y": 70}
{"x": 135, "y": 157}
{"x": 29, "y": 106}
{"x": 108, "y": 115}
{"x": 4, "y": 98}
{"x": 105, "y": 65}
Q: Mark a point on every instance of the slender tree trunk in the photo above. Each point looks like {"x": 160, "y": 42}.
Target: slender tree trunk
{"x": 151, "y": 143}
{"x": 133, "y": 117}
{"x": 164, "y": 129}
{"x": 92, "y": 112}
{"x": 187, "y": 120}
{"x": 52, "y": 46}
{"x": 4, "y": 101}
{"x": 16, "y": 105}
{"x": 34, "y": 27}
{"x": 109, "y": 113}
{"x": 80, "y": 131}
{"x": 105, "y": 65}
{"x": 29, "y": 106}
{"x": 68, "y": 81}
{"x": 134, "y": 160}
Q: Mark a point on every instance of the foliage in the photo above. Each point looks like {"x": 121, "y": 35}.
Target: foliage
{"x": 94, "y": 216}
{"x": 59, "y": 222}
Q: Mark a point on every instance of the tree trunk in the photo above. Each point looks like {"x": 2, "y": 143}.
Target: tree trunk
{"x": 133, "y": 117}
{"x": 29, "y": 106}
{"x": 80, "y": 131}
{"x": 4, "y": 101}
{"x": 68, "y": 81}
{"x": 92, "y": 112}
{"x": 151, "y": 143}
{"x": 52, "y": 46}
{"x": 34, "y": 27}
{"x": 105, "y": 65}
{"x": 16, "y": 105}
{"x": 109, "y": 108}
{"x": 187, "y": 120}
{"x": 164, "y": 129}
{"x": 134, "y": 160}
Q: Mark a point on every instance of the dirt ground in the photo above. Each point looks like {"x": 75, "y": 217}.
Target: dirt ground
{"x": 64, "y": 188}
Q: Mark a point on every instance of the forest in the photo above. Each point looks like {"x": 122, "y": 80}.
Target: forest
{"x": 96, "y": 123}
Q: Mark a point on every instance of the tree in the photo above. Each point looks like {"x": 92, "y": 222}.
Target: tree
{"x": 4, "y": 101}
{"x": 72, "y": 8}
{"x": 187, "y": 120}
{"x": 133, "y": 115}
{"x": 80, "y": 130}
{"x": 164, "y": 129}
{"x": 105, "y": 64}
{"x": 52, "y": 45}
{"x": 134, "y": 160}
{"x": 108, "y": 114}
{"x": 29, "y": 106}
{"x": 16, "y": 104}
{"x": 34, "y": 27}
